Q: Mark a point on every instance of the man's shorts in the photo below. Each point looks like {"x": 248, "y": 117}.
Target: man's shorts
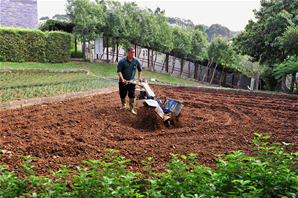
{"x": 124, "y": 89}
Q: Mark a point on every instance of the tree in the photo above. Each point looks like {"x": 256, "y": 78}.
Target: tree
{"x": 181, "y": 45}
{"x": 228, "y": 60}
{"x": 88, "y": 17}
{"x": 216, "y": 52}
{"x": 199, "y": 44}
{"x": 289, "y": 41}
{"x": 114, "y": 23}
{"x": 251, "y": 69}
{"x": 288, "y": 67}
{"x": 260, "y": 39}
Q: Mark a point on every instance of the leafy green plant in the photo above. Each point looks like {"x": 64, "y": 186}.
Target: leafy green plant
{"x": 271, "y": 172}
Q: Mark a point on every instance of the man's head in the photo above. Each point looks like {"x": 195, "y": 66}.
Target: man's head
{"x": 130, "y": 52}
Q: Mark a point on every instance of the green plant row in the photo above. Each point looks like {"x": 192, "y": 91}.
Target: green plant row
{"x": 54, "y": 89}
{"x": 271, "y": 173}
{"x": 24, "y": 45}
{"x": 26, "y": 79}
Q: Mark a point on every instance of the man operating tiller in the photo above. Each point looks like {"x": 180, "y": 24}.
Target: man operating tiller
{"x": 126, "y": 70}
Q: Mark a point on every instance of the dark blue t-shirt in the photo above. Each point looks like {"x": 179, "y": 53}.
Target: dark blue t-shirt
{"x": 128, "y": 69}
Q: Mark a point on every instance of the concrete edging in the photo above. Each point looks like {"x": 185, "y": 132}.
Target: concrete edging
{"x": 47, "y": 70}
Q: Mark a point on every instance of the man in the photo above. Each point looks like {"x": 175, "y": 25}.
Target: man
{"x": 126, "y": 70}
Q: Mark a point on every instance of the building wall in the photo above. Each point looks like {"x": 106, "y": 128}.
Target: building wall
{"x": 19, "y": 13}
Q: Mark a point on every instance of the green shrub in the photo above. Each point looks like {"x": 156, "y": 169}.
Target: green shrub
{"x": 58, "y": 47}
{"x": 269, "y": 79}
{"x": 79, "y": 53}
{"x": 24, "y": 45}
{"x": 19, "y": 45}
{"x": 271, "y": 172}
{"x": 0, "y": 58}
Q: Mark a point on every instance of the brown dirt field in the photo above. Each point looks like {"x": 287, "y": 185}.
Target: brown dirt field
{"x": 79, "y": 129}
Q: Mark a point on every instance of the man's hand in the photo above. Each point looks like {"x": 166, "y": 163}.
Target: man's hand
{"x": 123, "y": 81}
{"x": 140, "y": 79}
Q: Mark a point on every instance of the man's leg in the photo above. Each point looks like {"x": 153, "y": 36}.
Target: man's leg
{"x": 122, "y": 92}
{"x": 131, "y": 95}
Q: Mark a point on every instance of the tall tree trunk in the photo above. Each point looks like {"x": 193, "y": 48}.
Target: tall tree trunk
{"x": 139, "y": 52}
{"x": 233, "y": 79}
{"x": 101, "y": 56}
{"x": 117, "y": 58}
{"x": 148, "y": 57}
{"x": 155, "y": 59}
{"x": 225, "y": 79}
{"x": 152, "y": 65}
{"x": 181, "y": 67}
{"x": 207, "y": 68}
{"x": 257, "y": 82}
{"x": 76, "y": 50}
{"x": 196, "y": 70}
{"x": 188, "y": 69}
{"x": 107, "y": 48}
{"x": 84, "y": 50}
{"x": 293, "y": 82}
{"x": 220, "y": 83}
{"x": 201, "y": 71}
{"x": 211, "y": 81}
{"x": 167, "y": 63}
{"x": 238, "y": 80}
{"x": 174, "y": 61}
{"x": 163, "y": 64}
{"x": 113, "y": 50}
{"x": 135, "y": 50}
{"x": 90, "y": 52}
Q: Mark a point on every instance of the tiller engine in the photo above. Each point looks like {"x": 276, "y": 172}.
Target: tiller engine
{"x": 165, "y": 110}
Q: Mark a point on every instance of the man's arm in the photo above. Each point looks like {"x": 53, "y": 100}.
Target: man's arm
{"x": 140, "y": 76}
{"x": 121, "y": 77}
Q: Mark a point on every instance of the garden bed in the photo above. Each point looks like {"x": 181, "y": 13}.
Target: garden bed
{"x": 73, "y": 130}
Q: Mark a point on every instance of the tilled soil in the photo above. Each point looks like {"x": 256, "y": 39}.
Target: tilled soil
{"x": 79, "y": 129}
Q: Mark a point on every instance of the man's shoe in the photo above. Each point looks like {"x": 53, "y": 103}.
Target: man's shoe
{"x": 131, "y": 105}
{"x": 123, "y": 101}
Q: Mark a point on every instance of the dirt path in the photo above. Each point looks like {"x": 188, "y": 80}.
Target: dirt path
{"x": 81, "y": 129}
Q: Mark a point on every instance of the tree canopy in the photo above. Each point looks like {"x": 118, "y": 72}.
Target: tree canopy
{"x": 131, "y": 25}
{"x": 260, "y": 39}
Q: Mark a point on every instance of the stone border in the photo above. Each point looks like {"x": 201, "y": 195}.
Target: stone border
{"x": 47, "y": 70}
{"x": 35, "y": 101}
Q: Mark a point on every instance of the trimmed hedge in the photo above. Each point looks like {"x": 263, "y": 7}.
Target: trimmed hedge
{"x": 58, "y": 47}
{"x": 25, "y": 45}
